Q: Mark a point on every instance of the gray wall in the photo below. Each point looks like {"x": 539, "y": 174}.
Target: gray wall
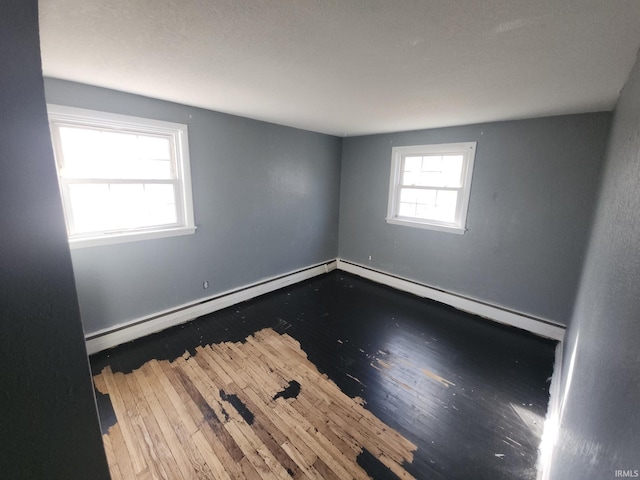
{"x": 48, "y": 426}
{"x": 532, "y": 199}
{"x": 266, "y": 202}
{"x": 600, "y": 428}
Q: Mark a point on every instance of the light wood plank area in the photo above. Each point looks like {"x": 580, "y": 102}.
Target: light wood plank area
{"x": 252, "y": 409}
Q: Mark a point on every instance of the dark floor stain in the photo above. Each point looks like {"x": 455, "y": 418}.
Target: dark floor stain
{"x": 292, "y": 391}
{"x": 374, "y": 467}
{"x": 225, "y": 415}
{"x": 239, "y": 405}
{"x": 208, "y": 413}
{"x": 105, "y": 411}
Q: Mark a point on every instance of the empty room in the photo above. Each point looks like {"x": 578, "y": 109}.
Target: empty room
{"x": 320, "y": 239}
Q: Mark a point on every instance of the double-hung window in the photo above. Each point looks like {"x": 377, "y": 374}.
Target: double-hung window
{"x": 121, "y": 178}
{"x": 430, "y": 186}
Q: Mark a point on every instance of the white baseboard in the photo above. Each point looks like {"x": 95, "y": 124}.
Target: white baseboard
{"x": 553, "y": 418}
{"x": 127, "y": 331}
{"x": 140, "y": 327}
{"x": 543, "y": 328}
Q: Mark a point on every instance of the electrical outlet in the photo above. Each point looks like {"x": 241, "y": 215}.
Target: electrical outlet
{"x": 205, "y": 284}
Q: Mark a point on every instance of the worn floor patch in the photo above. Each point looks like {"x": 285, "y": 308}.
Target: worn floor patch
{"x": 252, "y": 409}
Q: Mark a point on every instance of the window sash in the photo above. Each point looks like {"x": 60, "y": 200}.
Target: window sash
{"x": 455, "y": 181}
{"x": 428, "y": 206}
{"x": 63, "y": 172}
{"x": 71, "y": 210}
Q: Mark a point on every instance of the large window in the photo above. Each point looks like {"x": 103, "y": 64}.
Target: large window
{"x": 430, "y": 186}
{"x": 121, "y": 178}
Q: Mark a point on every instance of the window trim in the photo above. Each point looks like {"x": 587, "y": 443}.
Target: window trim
{"x": 185, "y": 225}
{"x": 467, "y": 149}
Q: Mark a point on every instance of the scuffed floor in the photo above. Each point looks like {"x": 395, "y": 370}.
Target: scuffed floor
{"x": 252, "y": 409}
{"x": 449, "y": 396}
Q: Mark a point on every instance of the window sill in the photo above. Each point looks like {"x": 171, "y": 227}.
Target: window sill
{"x": 126, "y": 237}
{"x": 427, "y": 226}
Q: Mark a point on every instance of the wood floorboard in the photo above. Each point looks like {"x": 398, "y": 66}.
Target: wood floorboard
{"x": 335, "y": 377}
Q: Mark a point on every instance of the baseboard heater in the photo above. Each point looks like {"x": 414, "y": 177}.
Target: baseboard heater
{"x": 542, "y": 327}
{"x": 127, "y": 331}
{"x": 140, "y": 327}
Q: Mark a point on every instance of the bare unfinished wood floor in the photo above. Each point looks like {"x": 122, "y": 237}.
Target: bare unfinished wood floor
{"x": 253, "y": 409}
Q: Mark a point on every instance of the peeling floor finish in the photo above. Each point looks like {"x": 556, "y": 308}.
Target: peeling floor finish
{"x": 253, "y": 409}
{"x": 335, "y": 377}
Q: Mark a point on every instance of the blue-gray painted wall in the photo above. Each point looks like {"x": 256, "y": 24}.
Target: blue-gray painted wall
{"x": 532, "y": 199}
{"x": 48, "y": 421}
{"x": 266, "y": 203}
{"x": 600, "y": 428}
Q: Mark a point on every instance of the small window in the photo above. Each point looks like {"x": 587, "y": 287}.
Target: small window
{"x": 121, "y": 178}
{"x": 430, "y": 186}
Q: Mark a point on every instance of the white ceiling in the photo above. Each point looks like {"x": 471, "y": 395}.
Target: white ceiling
{"x": 351, "y": 67}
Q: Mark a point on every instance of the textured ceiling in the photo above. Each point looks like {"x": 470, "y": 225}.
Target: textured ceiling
{"x": 350, "y": 67}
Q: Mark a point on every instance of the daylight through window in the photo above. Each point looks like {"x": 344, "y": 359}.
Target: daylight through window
{"x": 121, "y": 178}
{"x": 430, "y": 186}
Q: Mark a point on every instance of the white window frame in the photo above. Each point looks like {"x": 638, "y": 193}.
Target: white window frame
{"x": 178, "y": 136}
{"x": 467, "y": 149}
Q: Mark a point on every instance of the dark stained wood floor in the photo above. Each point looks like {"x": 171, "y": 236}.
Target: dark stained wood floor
{"x": 471, "y": 395}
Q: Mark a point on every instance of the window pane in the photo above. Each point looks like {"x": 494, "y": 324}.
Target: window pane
{"x": 433, "y": 171}
{"x": 411, "y": 173}
{"x": 160, "y": 204}
{"x": 421, "y": 196}
{"x": 118, "y": 147}
{"x": 125, "y": 206}
{"x": 88, "y": 207}
{"x": 428, "y": 204}
{"x": 114, "y": 207}
{"x": 452, "y": 170}
{"x": 154, "y": 148}
{"x": 432, "y": 163}
{"x": 412, "y": 164}
{"x": 408, "y": 195}
{"x": 407, "y": 209}
{"x": 425, "y": 212}
{"x": 417, "y": 203}
{"x": 91, "y": 153}
{"x": 445, "y": 206}
{"x": 81, "y": 150}
{"x": 427, "y": 197}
